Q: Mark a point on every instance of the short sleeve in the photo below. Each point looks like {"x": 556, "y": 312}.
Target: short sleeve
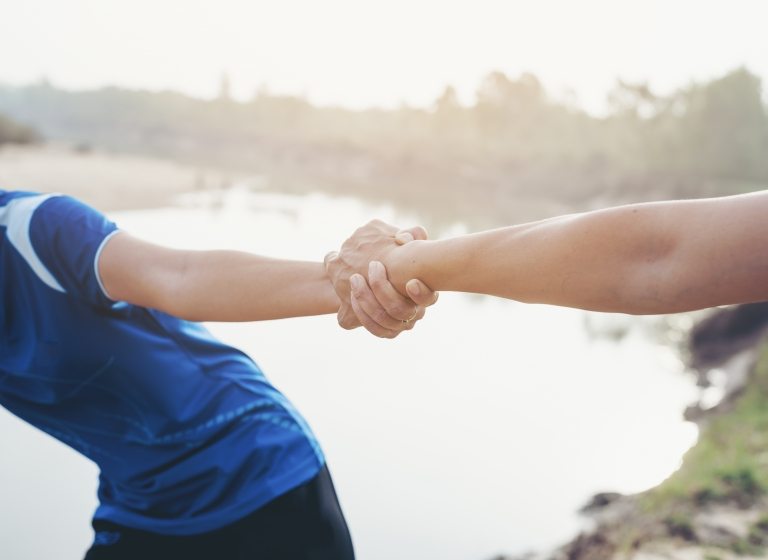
{"x": 68, "y": 237}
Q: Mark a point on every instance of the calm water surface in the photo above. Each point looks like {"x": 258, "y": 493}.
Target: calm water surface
{"x": 480, "y": 432}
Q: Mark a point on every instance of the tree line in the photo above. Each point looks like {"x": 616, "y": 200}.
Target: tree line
{"x": 515, "y": 139}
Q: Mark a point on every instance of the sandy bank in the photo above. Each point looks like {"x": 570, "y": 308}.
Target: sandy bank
{"x": 108, "y": 181}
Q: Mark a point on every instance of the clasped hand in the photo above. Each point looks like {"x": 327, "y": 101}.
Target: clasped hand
{"x": 368, "y": 297}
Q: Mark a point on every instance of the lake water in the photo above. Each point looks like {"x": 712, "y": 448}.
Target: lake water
{"x": 480, "y": 432}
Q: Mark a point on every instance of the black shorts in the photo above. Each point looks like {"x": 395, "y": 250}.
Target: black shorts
{"x": 304, "y": 524}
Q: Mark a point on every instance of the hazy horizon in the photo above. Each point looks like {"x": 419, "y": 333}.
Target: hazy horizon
{"x": 362, "y": 54}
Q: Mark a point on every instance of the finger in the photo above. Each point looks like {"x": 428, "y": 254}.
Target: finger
{"x": 407, "y": 235}
{"x": 393, "y": 303}
{"x": 340, "y": 285}
{"x": 369, "y": 303}
{"x": 369, "y": 324}
{"x": 346, "y": 318}
{"x": 379, "y": 226}
{"x": 420, "y": 311}
{"x": 329, "y": 257}
{"x": 420, "y": 293}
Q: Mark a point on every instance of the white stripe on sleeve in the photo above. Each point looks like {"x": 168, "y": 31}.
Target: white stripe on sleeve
{"x": 96, "y": 264}
{"x": 17, "y": 216}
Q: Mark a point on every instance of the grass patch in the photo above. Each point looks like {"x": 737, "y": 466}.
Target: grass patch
{"x": 744, "y": 547}
{"x": 679, "y": 525}
{"x": 758, "y": 533}
{"x": 729, "y": 463}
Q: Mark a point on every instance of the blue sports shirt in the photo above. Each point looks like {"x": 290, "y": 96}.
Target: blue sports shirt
{"x": 187, "y": 432}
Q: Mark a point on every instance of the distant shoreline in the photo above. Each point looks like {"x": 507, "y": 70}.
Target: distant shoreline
{"x": 108, "y": 181}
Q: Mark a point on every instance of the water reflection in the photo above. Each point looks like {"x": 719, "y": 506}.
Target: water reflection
{"x": 480, "y": 432}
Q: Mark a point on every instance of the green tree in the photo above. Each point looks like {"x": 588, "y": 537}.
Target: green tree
{"x": 724, "y": 128}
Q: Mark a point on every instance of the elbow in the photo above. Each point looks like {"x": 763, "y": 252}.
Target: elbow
{"x": 648, "y": 291}
{"x": 658, "y": 284}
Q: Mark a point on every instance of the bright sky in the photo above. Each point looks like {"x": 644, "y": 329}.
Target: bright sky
{"x": 363, "y": 52}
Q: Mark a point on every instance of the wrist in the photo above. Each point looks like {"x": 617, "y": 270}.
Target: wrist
{"x": 327, "y": 298}
{"x": 406, "y": 263}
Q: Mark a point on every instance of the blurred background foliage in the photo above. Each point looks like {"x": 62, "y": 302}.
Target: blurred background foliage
{"x": 12, "y": 132}
{"x": 515, "y": 144}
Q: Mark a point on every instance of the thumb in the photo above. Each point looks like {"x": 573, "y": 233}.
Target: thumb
{"x": 420, "y": 293}
{"x": 407, "y": 235}
{"x": 329, "y": 257}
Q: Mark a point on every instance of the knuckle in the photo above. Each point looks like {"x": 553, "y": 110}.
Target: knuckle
{"x": 379, "y": 316}
{"x": 404, "y": 312}
{"x": 400, "y": 313}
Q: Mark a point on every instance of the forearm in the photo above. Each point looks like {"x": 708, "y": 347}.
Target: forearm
{"x": 235, "y": 286}
{"x": 551, "y": 262}
{"x": 640, "y": 259}
{"x": 213, "y": 285}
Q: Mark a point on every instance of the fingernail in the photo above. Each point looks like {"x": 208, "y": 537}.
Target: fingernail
{"x": 413, "y": 287}
{"x": 374, "y": 268}
{"x": 357, "y": 282}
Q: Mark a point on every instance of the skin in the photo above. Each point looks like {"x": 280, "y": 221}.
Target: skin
{"x": 238, "y": 286}
{"x": 662, "y": 257}
{"x": 359, "y": 295}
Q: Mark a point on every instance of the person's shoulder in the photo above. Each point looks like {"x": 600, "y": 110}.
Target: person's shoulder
{"x": 24, "y": 211}
{"x": 62, "y": 203}
{"x": 7, "y": 197}
{"x": 54, "y": 210}
{"x": 18, "y": 207}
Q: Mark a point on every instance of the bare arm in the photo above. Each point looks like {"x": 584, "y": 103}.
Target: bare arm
{"x": 238, "y": 286}
{"x": 651, "y": 258}
{"x": 213, "y": 285}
